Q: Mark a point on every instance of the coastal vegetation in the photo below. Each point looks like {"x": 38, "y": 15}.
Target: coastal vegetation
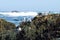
{"x": 7, "y": 30}
{"x": 42, "y": 27}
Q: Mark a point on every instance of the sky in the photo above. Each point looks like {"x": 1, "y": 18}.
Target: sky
{"x": 30, "y": 5}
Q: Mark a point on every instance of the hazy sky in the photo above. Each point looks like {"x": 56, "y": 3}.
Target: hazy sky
{"x": 30, "y": 5}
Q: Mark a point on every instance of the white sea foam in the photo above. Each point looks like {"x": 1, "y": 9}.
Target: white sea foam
{"x": 15, "y": 14}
